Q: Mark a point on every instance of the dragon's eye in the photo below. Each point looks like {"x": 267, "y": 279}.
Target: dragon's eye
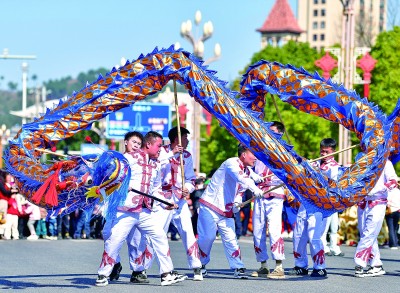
{"x": 88, "y": 181}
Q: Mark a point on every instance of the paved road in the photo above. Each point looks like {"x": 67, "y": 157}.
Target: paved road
{"x": 71, "y": 265}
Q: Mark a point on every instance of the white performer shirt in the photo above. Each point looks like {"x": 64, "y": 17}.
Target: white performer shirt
{"x": 330, "y": 168}
{"x": 225, "y": 188}
{"x": 145, "y": 177}
{"x": 261, "y": 169}
{"x": 172, "y": 173}
{"x": 387, "y": 178}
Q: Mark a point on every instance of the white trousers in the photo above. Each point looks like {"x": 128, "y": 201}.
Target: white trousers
{"x": 11, "y": 227}
{"x": 181, "y": 219}
{"x": 370, "y": 222}
{"x": 332, "y": 224}
{"x": 268, "y": 212}
{"x": 140, "y": 250}
{"x": 309, "y": 228}
{"x": 208, "y": 224}
{"x": 125, "y": 223}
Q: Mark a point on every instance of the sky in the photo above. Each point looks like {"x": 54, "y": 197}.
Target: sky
{"x": 69, "y": 37}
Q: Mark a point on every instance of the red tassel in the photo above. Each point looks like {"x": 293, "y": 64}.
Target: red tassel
{"x": 48, "y": 189}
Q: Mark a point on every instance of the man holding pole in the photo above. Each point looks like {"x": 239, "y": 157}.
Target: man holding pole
{"x": 176, "y": 167}
{"x": 136, "y": 213}
{"x": 268, "y": 210}
{"x": 218, "y": 203}
{"x": 178, "y": 181}
{"x": 311, "y": 226}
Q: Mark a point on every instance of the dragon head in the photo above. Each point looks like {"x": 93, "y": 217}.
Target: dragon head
{"x": 91, "y": 179}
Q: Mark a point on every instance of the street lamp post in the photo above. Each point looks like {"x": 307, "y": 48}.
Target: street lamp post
{"x": 24, "y": 88}
{"x": 198, "y": 50}
{"x": 4, "y": 135}
{"x": 6, "y": 55}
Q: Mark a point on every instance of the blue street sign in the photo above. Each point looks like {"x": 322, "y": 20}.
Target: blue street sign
{"x": 142, "y": 117}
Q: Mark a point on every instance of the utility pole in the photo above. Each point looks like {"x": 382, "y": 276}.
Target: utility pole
{"x": 6, "y": 55}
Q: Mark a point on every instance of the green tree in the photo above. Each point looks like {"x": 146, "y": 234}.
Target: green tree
{"x": 12, "y": 86}
{"x": 385, "y": 83}
{"x": 67, "y": 85}
{"x": 218, "y": 147}
{"x": 305, "y": 131}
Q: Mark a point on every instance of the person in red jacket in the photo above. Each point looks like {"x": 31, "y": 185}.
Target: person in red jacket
{"x": 5, "y": 194}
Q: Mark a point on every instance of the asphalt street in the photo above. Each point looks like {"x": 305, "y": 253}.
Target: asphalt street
{"x": 71, "y": 266}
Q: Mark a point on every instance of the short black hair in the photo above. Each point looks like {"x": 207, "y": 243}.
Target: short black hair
{"x": 279, "y": 126}
{"x": 173, "y": 133}
{"x": 328, "y": 142}
{"x": 241, "y": 149}
{"x": 150, "y": 136}
{"x": 130, "y": 134}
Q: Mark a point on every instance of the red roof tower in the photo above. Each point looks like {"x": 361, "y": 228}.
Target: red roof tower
{"x": 280, "y": 25}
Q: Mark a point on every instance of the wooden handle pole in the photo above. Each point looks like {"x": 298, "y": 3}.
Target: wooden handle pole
{"x": 50, "y": 152}
{"x": 179, "y": 133}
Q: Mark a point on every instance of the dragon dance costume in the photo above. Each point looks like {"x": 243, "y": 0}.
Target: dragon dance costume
{"x": 80, "y": 182}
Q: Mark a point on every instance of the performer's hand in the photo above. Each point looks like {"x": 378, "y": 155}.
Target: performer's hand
{"x": 236, "y": 207}
{"x": 258, "y": 193}
{"x": 257, "y": 178}
{"x": 177, "y": 149}
{"x": 172, "y": 207}
{"x": 185, "y": 193}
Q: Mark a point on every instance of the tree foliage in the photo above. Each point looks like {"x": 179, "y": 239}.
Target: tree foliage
{"x": 67, "y": 85}
{"x": 385, "y": 83}
{"x": 218, "y": 147}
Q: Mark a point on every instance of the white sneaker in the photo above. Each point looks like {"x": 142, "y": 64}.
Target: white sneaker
{"x": 101, "y": 281}
{"x": 32, "y": 237}
{"x": 168, "y": 279}
{"x": 359, "y": 272}
{"x": 197, "y": 275}
{"x": 374, "y": 271}
{"x": 179, "y": 277}
{"x": 240, "y": 273}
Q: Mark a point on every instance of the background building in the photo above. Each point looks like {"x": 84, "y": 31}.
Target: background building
{"x": 321, "y": 21}
{"x": 280, "y": 26}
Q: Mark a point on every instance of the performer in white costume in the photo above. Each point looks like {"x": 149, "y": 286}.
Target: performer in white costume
{"x": 136, "y": 212}
{"x": 268, "y": 210}
{"x": 330, "y": 168}
{"x": 311, "y": 226}
{"x": 371, "y": 213}
{"x": 133, "y": 141}
{"x": 173, "y": 190}
{"x": 218, "y": 203}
